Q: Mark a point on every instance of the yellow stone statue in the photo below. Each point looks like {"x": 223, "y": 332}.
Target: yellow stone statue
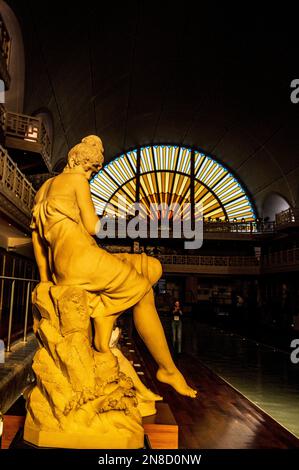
{"x": 82, "y": 398}
{"x": 145, "y": 397}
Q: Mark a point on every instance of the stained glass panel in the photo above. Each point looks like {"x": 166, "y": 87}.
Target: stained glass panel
{"x": 165, "y": 172}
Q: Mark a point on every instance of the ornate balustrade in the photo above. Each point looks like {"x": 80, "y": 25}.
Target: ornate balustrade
{"x": 282, "y": 258}
{"x": 40, "y": 178}
{"x": 209, "y": 260}
{"x": 28, "y": 133}
{"x": 287, "y": 217}
{"x": 279, "y": 259}
{"x": 210, "y": 264}
{"x": 230, "y": 229}
{"x": 14, "y": 185}
{"x": 239, "y": 227}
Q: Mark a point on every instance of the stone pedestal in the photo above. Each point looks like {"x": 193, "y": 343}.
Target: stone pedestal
{"x": 162, "y": 429}
{"x": 81, "y": 399}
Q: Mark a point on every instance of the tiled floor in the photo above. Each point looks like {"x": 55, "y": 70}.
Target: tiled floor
{"x": 15, "y": 372}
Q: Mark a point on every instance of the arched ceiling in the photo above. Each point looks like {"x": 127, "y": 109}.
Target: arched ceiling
{"x": 137, "y": 72}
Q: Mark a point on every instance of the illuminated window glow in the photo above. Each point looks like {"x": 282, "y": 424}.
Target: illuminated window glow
{"x": 165, "y": 177}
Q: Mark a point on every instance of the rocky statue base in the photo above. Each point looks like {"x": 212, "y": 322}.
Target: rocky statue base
{"x": 82, "y": 399}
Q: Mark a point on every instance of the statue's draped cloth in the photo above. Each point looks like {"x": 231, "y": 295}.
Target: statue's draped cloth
{"x": 81, "y": 399}
{"x": 118, "y": 281}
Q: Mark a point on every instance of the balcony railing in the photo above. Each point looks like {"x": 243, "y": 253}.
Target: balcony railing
{"x": 28, "y": 133}
{"x": 282, "y": 258}
{"x": 5, "y": 43}
{"x": 241, "y": 261}
{"x": 287, "y": 217}
{"x": 239, "y": 226}
{"x": 175, "y": 229}
{"x": 40, "y": 178}
{"x": 14, "y": 184}
{"x": 15, "y": 315}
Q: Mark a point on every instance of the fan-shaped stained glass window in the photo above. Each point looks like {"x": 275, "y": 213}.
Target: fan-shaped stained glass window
{"x": 161, "y": 174}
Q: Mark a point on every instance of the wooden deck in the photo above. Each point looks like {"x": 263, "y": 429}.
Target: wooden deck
{"x": 219, "y": 418}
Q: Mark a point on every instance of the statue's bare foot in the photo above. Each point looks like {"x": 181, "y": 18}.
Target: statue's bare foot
{"x": 177, "y": 381}
{"x": 147, "y": 395}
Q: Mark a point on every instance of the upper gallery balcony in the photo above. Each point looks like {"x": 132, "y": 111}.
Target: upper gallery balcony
{"x": 5, "y": 43}
{"x": 287, "y": 218}
{"x": 28, "y": 141}
{"x": 281, "y": 261}
{"x": 16, "y": 192}
{"x": 212, "y": 229}
{"x": 216, "y": 265}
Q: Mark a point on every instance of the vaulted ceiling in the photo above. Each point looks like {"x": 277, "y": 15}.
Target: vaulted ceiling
{"x": 146, "y": 72}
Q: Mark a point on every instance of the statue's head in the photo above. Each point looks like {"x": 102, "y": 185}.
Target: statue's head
{"x": 87, "y": 155}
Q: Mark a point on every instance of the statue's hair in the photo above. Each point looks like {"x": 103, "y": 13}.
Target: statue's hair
{"x": 86, "y": 151}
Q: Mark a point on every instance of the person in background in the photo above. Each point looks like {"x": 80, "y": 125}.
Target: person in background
{"x": 176, "y": 325}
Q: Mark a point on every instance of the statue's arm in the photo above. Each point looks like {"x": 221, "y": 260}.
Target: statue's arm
{"x": 87, "y": 210}
{"x": 41, "y": 257}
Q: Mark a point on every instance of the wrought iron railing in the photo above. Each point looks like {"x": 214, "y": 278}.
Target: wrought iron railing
{"x": 288, "y": 217}
{"x": 40, "y": 178}
{"x": 209, "y": 260}
{"x": 29, "y": 129}
{"x": 238, "y": 226}
{"x": 281, "y": 258}
{"x": 15, "y": 318}
{"x": 14, "y": 183}
{"x": 172, "y": 230}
